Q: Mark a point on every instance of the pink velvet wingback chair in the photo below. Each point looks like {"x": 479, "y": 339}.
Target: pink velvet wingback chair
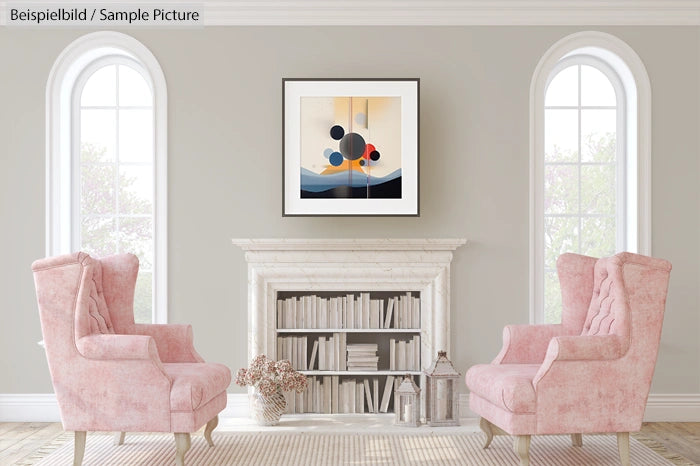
{"x": 111, "y": 374}
{"x": 592, "y": 372}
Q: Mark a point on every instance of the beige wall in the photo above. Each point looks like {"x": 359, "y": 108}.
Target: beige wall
{"x": 225, "y": 172}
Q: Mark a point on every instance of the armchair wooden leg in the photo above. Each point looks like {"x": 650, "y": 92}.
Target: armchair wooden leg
{"x": 486, "y": 428}
{"x": 182, "y": 443}
{"x": 119, "y": 438}
{"x": 79, "y": 448}
{"x": 211, "y": 425}
{"x": 623, "y": 446}
{"x": 521, "y": 445}
{"x": 577, "y": 440}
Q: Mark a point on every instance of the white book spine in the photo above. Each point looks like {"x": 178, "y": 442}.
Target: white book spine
{"x": 334, "y": 395}
{"x": 368, "y": 396}
{"x": 381, "y": 313}
{"x": 388, "y": 389}
{"x": 401, "y": 364}
{"x": 375, "y": 394}
{"x": 360, "y": 397}
{"x": 416, "y": 313}
{"x": 280, "y": 313}
{"x": 392, "y": 354}
{"x": 351, "y": 311}
{"x": 343, "y": 353}
{"x": 327, "y": 394}
{"x": 409, "y": 311}
{"x": 416, "y": 353}
{"x": 365, "y": 310}
{"x": 304, "y": 353}
{"x": 322, "y": 358}
{"x": 344, "y": 313}
{"x": 389, "y": 313}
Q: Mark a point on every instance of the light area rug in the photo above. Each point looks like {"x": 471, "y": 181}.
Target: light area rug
{"x": 305, "y": 449}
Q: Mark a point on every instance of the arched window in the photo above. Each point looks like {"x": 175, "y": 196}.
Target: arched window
{"x": 106, "y": 156}
{"x": 590, "y": 184}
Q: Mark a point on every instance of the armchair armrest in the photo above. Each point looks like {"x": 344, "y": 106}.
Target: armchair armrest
{"x": 175, "y": 342}
{"x": 586, "y": 349}
{"x": 117, "y": 347}
{"x": 526, "y": 344}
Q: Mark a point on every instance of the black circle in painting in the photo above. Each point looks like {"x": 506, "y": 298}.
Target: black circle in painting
{"x": 337, "y": 132}
{"x": 374, "y": 155}
{"x": 352, "y": 146}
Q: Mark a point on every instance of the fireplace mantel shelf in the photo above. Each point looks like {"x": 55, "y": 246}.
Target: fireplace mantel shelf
{"x": 357, "y": 244}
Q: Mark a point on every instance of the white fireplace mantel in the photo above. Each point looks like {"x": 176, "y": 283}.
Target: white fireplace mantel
{"x": 349, "y": 265}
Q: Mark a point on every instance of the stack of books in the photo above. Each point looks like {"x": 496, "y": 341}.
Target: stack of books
{"x": 362, "y": 357}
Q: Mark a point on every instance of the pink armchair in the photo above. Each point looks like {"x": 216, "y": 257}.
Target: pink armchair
{"x": 592, "y": 372}
{"x": 110, "y": 374}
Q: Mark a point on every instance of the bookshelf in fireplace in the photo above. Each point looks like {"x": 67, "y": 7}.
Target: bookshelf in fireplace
{"x": 354, "y": 347}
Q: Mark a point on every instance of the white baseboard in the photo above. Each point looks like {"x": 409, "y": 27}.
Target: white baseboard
{"x": 29, "y": 407}
{"x": 673, "y": 407}
{"x": 42, "y": 407}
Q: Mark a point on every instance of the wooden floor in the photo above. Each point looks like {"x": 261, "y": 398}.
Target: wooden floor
{"x": 20, "y": 440}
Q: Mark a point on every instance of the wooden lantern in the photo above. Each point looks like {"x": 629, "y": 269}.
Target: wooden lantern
{"x": 406, "y": 403}
{"x": 442, "y": 396}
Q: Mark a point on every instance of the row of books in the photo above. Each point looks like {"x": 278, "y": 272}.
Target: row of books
{"x": 330, "y": 395}
{"x": 348, "y": 311}
{"x": 404, "y": 355}
{"x": 335, "y": 354}
{"x": 327, "y": 353}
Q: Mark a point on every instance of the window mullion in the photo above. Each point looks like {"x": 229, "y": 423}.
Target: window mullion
{"x": 580, "y": 210}
{"x": 117, "y": 223}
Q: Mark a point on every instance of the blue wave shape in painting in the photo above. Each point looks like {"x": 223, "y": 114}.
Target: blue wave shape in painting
{"x": 315, "y": 183}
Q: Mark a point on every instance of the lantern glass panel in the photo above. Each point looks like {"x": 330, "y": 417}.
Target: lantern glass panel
{"x": 406, "y": 408}
{"x": 445, "y": 392}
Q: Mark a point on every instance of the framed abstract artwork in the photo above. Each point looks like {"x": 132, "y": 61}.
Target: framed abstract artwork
{"x": 350, "y": 147}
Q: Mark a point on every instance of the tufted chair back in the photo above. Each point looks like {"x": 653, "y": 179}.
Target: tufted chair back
{"x": 92, "y": 315}
{"x": 608, "y": 312}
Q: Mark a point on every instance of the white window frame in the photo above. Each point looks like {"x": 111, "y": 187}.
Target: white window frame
{"x": 621, "y": 61}
{"x": 61, "y": 142}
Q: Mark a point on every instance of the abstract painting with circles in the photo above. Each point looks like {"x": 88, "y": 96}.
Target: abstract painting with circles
{"x": 350, "y": 147}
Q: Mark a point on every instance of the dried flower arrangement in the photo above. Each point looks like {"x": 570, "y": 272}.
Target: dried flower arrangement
{"x": 269, "y": 376}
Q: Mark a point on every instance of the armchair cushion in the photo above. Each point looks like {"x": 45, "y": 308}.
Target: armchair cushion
{"x": 508, "y": 386}
{"x": 195, "y": 384}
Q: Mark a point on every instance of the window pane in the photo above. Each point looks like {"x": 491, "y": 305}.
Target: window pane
{"x": 598, "y": 190}
{"x": 560, "y": 135}
{"x": 143, "y": 297}
{"x": 552, "y": 298}
{"x": 98, "y": 128}
{"x": 96, "y": 186}
{"x": 135, "y": 189}
{"x": 133, "y": 89}
{"x": 136, "y": 237}
{"x": 563, "y": 88}
{"x": 561, "y": 189}
{"x": 136, "y": 136}
{"x": 97, "y": 235}
{"x": 596, "y": 88}
{"x": 598, "y": 135}
{"x": 560, "y": 236}
{"x": 598, "y": 236}
{"x": 101, "y": 88}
